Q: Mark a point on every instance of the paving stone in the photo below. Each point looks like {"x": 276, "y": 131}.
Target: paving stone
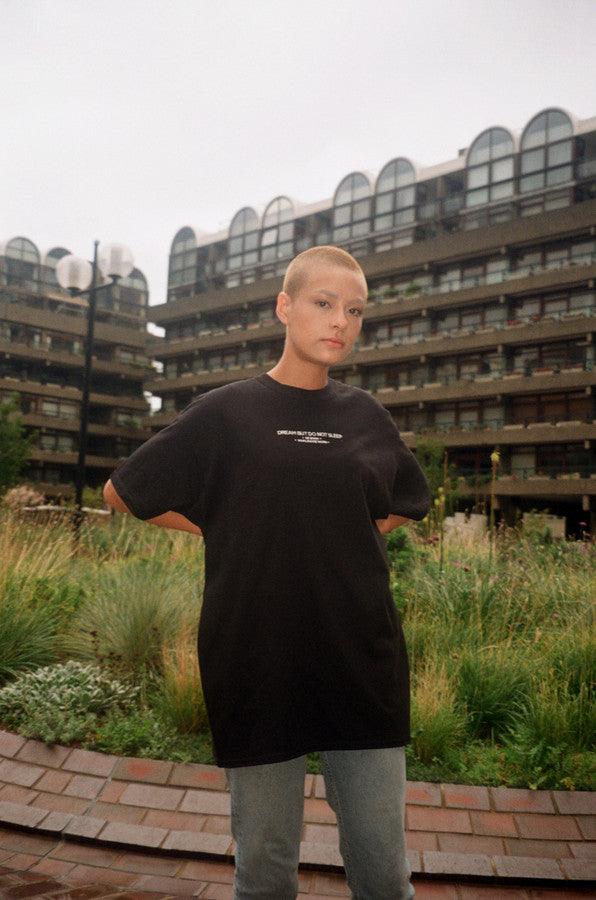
{"x": 320, "y": 854}
{"x": 587, "y": 826}
{"x": 29, "y": 843}
{"x": 154, "y": 771}
{"x": 563, "y": 828}
{"x": 84, "y": 826}
{"x": 320, "y": 790}
{"x": 466, "y": 796}
{"x": 583, "y": 849}
{"x": 10, "y": 743}
{"x": 85, "y": 853}
{"x": 208, "y": 870}
{"x": 423, "y": 792}
{"x": 114, "y": 812}
{"x": 575, "y": 802}
{"x": 146, "y": 864}
{"x": 435, "y": 891}
{"x": 527, "y": 847}
{"x": 51, "y": 755}
{"x": 486, "y": 822}
{"x": 527, "y": 867}
{"x": 176, "y": 886}
{"x": 89, "y": 762}
{"x": 584, "y": 869}
{"x": 489, "y": 892}
{"x": 15, "y": 772}
{"x": 327, "y": 883}
{"x": 84, "y": 875}
{"x": 206, "y": 802}
{"x": 470, "y": 843}
{"x": 56, "y": 867}
{"x": 176, "y": 820}
{"x": 20, "y": 862}
{"x": 521, "y": 800}
{"x": 55, "y": 821}
{"x": 419, "y": 818}
{"x": 423, "y": 840}
{"x": 35, "y": 889}
{"x": 74, "y": 805}
{"x": 219, "y": 892}
{"x": 197, "y": 842}
{"x": 456, "y": 863}
{"x": 112, "y": 791}
{"x": 53, "y": 781}
{"x": 14, "y": 793}
{"x": 196, "y": 775}
{"x": 17, "y": 814}
{"x": 323, "y": 834}
{"x": 318, "y": 811}
{"x": 217, "y": 824}
{"x": 152, "y": 797}
{"x": 136, "y": 835}
{"x": 87, "y": 786}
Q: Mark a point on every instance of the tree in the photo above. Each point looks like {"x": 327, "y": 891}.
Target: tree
{"x": 14, "y": 444}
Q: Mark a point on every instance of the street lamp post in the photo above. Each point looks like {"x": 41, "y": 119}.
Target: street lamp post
{"x": 79, "y": 277}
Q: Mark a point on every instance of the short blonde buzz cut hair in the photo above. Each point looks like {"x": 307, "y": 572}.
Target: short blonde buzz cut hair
{"x": 325, "y": 254}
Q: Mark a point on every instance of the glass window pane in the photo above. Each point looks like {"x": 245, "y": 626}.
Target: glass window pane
{"x": 559, "y": 125}
{"x": 558, "y": 176}
{"x": 405, "y": 216}
{"x": 532, "y": 182}
{"x": 383, "y": 222}
{"x": 341, "y": 215}
{"x": 404, "y": 198}
{"x": 361, "y": 210}
{"x": 501, "y": 143}
{"x": 535, "y": 133}
{"x": 481, "y": 150}
{"x": 235, "y": 246}
{"x": 474, "y": 198}
{"x": 504, "y": 189}
{"x": 341, "y": 234}
{"x": 286, "y": 232}
{"x": 269, "y": 237}
{"x": 251, "y": 240}
{"x": 559, "y": 154}
{"x": 502, "y": 170}
{"x": 361, "y": 187}
{"x": 532, "y": 161}
{"x": 359, "y": 228}
{"x": 477, "y": 177}
{"x": 384, "y": 203}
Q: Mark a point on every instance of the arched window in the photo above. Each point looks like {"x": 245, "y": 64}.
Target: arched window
{"x": 395, "y": 195}
{"x": 134, "y": 289}
{"x": 546, "y": 151}
{"x": 277, "y": 236}
{"x": 243, "y": 240}
{"x": 352, "y": 207}
{"x": 48, "y": 269}
{"x": 22, "y": 262}
{"x": 489, "y": 174}
{"x": 183, "y": 258}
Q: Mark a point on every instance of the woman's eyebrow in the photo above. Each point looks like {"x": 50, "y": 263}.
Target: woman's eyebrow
{"x": 333, "y": 294}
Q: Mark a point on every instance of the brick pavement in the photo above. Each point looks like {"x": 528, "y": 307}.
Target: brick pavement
{"x": 79, "y": 818}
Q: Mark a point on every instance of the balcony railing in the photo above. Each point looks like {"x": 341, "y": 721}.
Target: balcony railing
{"x": 526, "y": 473}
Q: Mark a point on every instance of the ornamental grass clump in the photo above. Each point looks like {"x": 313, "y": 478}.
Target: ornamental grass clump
{"x": 63, "y": 702}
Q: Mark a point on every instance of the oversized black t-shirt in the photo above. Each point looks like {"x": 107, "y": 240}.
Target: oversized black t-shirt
{"x": 300, "y": 644}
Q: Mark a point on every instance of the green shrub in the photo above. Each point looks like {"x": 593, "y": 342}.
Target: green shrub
{"x": 132, "y": 609}
{"x": 61, "y": 702}
{"x": 488, "y": 685}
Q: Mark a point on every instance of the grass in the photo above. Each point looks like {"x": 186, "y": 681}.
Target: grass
{"x": 502, "y": 660}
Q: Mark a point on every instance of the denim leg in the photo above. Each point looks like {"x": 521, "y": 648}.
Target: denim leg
{"x": 366, "y": 790}
{"x": 267, "y": 806}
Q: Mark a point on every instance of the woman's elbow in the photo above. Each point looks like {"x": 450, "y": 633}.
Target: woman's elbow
{"x": 112, "y": 498}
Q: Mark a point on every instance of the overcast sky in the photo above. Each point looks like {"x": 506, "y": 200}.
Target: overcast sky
{"x": 124, "y": 121}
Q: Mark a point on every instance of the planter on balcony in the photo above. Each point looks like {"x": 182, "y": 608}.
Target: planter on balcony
{"x": 511, "y": 426}
{"x": 568, "y": 422}
{"x": 543, "y": 371}
{"x": 407, "y": 387}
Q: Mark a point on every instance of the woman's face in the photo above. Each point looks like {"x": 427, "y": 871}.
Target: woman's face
{"x": 330, "y": 304}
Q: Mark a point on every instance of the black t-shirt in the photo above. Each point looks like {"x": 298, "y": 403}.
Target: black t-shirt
{"x": 300, "y": 644}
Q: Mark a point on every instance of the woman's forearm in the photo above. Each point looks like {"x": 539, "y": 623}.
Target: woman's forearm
{"x": 175, "y": 520}
{"x": 391, "y": 522}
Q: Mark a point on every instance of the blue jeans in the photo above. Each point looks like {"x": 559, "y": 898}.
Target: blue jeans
{"x": 366, "y": 791}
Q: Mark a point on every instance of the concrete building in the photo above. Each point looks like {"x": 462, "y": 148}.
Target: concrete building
{"x": 479, "y": 329}
{"x": 42, "y": 333}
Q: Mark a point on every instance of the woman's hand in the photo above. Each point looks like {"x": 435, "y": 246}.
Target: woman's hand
{"x": 390, "y": 523}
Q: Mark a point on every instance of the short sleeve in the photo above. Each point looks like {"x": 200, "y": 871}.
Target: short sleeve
{"x": 171, "y": 470}
{"x": 411, "y": 492}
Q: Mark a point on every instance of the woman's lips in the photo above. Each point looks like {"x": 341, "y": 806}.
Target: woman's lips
{"x": 334, "y": 343}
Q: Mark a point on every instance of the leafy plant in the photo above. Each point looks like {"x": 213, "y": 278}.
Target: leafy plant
{"x": 61, "y": 702}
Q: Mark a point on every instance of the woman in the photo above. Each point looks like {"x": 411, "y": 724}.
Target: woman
{"x": 292, "y": 478}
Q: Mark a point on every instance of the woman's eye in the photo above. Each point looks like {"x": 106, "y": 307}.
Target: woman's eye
{"x": 357, "y": 310}
{"x": 322, "y": 301}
